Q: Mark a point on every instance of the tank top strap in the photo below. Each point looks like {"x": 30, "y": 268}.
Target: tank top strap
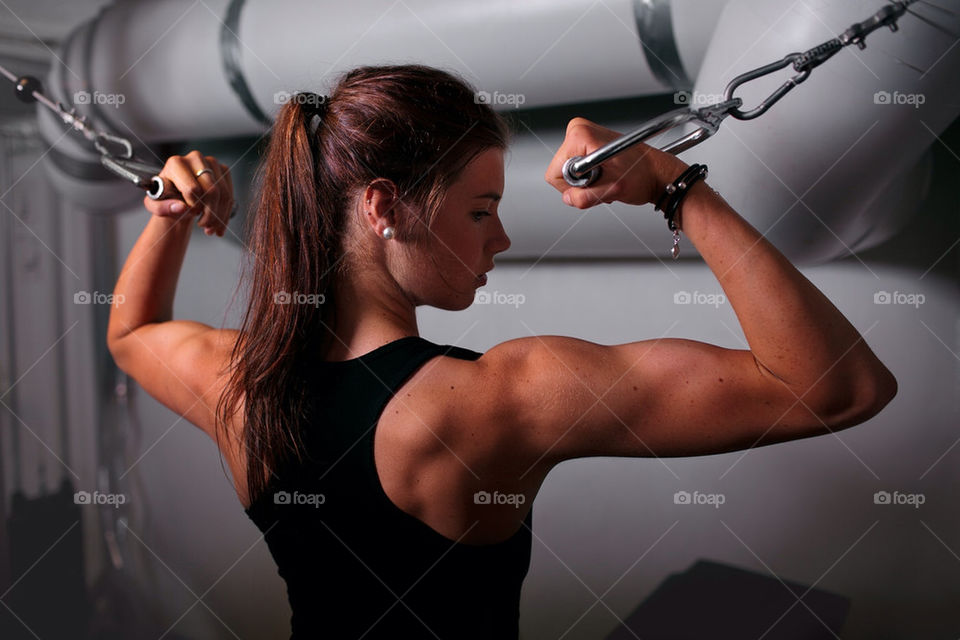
{"x": 394, "y": 362}
{"x": 386, "y": 369}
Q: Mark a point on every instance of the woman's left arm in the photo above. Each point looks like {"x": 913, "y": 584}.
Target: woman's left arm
{"x": 177, "y": 362}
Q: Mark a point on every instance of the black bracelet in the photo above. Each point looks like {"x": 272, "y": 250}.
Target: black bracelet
{"x": 670, "y": 201}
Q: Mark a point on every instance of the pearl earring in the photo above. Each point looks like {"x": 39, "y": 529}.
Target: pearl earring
{"x": 388, "y": 233}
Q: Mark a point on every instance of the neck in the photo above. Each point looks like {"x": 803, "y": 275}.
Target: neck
{"x": 371, "y": 311}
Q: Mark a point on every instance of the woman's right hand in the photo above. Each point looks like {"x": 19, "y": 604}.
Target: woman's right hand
{"x": 208, "y": 197}
{"x": 637, "y": 175}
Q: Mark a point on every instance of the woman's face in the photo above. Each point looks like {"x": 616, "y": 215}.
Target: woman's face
{"x": 465, "y": 236}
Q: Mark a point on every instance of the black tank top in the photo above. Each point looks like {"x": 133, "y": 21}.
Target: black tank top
{"x": 353, "y": 562}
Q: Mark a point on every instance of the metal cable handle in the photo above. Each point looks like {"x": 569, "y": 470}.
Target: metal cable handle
{"x": 580, "y": 171}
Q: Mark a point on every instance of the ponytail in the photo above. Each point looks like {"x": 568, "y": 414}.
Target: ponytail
{"x": 290, "y": 298}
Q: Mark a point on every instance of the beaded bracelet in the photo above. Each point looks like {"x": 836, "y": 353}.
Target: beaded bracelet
{"x": 670, "y": 201}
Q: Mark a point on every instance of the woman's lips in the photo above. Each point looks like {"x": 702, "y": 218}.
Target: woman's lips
{"x": 482, "y": 278}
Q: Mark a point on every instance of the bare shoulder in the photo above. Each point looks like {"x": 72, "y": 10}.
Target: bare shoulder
{"x": 476, "y": 407}
{"x": 441, "y": 440}
{"x": 457, "y": 414}
{"x": 491, "y": 407}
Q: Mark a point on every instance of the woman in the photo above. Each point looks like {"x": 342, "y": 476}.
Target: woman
{"x": 384, "y": 197}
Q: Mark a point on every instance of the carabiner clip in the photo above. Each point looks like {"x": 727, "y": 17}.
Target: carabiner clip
{"x": 126, "y": 166}
{"x": 580, "y": 171}
{"x": 785, "y": 88}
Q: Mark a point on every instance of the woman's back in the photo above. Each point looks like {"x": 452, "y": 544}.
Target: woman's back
{"x": 352, "y": 534}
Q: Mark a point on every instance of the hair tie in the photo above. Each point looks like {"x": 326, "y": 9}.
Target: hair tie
{"x": 314, "y": 106}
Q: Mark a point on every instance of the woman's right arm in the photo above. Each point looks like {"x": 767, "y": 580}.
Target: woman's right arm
{"x": 807, "y": 372}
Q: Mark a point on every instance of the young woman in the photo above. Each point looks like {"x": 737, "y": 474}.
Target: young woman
{"x": 394, "y": 477}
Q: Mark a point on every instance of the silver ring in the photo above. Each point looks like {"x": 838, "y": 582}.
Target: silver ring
{"x": 203, "y": 171}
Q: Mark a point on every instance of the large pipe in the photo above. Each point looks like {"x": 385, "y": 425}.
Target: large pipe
{"x": 215, "y": 69}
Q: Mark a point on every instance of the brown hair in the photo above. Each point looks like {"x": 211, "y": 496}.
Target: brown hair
{"x": 414, "y": 125}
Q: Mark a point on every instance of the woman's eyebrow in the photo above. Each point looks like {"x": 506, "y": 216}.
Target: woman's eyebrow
{"x": 491, "y": 195}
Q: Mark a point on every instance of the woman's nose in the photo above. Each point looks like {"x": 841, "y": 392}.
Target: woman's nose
{"x": 502, "y": 240}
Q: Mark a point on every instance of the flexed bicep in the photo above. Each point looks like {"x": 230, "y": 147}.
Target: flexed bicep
{"x": 654, "y": 398}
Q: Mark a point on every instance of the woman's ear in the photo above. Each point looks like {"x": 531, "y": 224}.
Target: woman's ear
{"x": 377, "y": 202}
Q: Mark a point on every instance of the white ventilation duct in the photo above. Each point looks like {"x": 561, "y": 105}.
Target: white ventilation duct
{"x": 214, "y": 69}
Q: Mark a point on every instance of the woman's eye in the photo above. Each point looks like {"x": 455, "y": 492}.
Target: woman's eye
{"x": 478, "y": 214}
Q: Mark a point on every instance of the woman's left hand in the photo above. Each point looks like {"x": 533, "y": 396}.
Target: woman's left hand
{"x": 207, "y": 191}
